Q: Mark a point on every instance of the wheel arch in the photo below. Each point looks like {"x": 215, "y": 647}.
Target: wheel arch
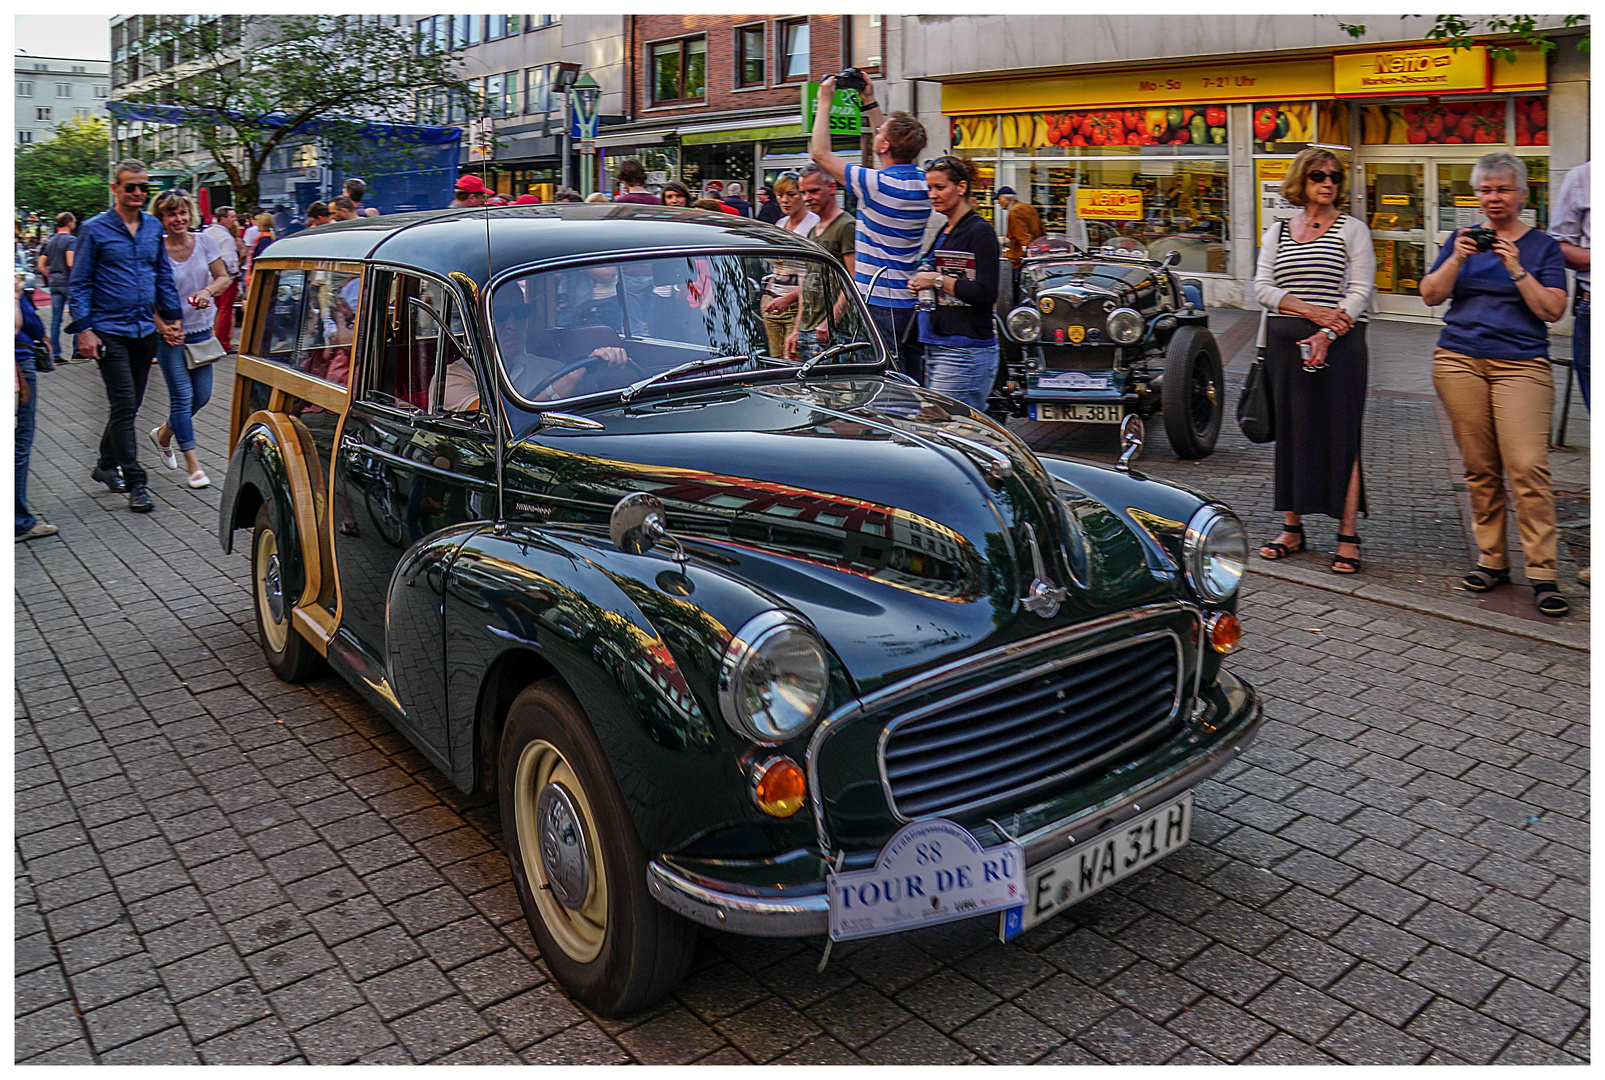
{"x": 259, "y": 473}
{"x": 506, "y": 678}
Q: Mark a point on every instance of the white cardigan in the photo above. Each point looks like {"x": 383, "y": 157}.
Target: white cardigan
{"x": 1359, "y": 280}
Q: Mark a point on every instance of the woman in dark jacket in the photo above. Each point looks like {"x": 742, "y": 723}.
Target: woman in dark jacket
{"x": 961, "y": 346}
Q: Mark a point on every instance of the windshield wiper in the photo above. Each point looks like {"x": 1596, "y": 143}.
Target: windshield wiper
{"x": 684, "y": 369}
{"x": 831, "y": 354}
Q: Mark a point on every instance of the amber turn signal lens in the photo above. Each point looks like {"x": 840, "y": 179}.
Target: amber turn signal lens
{"x": 780, "y": 787}
{"x": 1224, "y": 632}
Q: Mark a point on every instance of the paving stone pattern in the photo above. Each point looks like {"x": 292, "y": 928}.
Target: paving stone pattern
{"x": 215, "y": 867}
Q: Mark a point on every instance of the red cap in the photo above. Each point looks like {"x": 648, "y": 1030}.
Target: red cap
{"x": 498, "y": 200}
{"x": 526, "y": 199}
{"x": 471, "y": 185}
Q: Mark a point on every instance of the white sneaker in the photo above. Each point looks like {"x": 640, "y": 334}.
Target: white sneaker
{"x": 40, "y": 528}
{"x": 1582, "y": 575}
{"x": 169, "y": 454}
{"x": 199, "y": 479}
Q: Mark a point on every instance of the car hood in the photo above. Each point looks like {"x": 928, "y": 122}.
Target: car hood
{"x": 899, "y": 522}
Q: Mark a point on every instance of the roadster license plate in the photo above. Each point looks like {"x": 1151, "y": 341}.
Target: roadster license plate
{"x": 1052, "y": 886}
{"x": 1080, "y": 413}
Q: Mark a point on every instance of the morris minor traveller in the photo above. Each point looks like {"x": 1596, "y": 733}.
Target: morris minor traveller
{"x": 717, "y": 628}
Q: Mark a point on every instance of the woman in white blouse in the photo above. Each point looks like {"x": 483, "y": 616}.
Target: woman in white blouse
{"x": 1315, "y": 278}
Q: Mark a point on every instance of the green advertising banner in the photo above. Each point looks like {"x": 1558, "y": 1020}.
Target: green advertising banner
{"x": 844, "y": 110}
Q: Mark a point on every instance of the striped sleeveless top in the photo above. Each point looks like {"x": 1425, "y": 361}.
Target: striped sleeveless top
{"x": 1314, "y": 272}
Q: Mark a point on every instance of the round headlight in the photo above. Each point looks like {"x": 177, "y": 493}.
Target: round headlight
{"x": 1215, "y": 553}
{"x": 773, "y": 679}
{"x": 1125, "y": 326}
{"x": 1024, "y": 324}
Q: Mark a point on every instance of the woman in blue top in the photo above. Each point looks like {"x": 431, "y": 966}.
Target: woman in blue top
{"x": 1491, "y": 370}
{"x": 961, "y": 346}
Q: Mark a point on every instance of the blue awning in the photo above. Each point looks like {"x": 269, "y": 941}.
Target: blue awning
{"x": 369, "y": 129}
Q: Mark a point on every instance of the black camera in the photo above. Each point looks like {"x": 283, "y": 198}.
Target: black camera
{"x": 1483, "y": 237}
{"x": 852, "y": 79}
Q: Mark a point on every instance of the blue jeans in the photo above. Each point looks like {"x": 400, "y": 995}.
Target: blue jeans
{"x": 24, "y": 447}
{"x": 1580, "y": 346}
{"x": 892, "y": 322}
{"x": 58, "y": 309}
{"x": 962, "y": 372}
{"x": 188, "y": 391}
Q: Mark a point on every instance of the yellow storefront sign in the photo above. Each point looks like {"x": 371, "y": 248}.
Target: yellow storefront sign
{"x": 1384, "y": 252}
{"x": 1267, "y": 81}
{"x": 1109, "y": 204}
{"x": 1410, "y": 71}
{"x": 1468, "y": 200}
{"x": 1396, "y": 200}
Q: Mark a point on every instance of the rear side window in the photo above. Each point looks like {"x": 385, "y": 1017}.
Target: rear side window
{"x": 281, "y": 321}
{"x": 309, "y": 322}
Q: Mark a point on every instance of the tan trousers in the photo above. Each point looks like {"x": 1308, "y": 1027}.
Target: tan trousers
{"x": 1500, "y": 413}
{"x": 776, "y": 327}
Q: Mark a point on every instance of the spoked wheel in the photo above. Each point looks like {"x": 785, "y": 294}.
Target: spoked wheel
{"x": 578, "y": 866}
{"x": 289, "y": 654}
{"x": 1195, "y": 392}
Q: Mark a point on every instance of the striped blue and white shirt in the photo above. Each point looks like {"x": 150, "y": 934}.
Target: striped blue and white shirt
{"x": 893, "y": 206}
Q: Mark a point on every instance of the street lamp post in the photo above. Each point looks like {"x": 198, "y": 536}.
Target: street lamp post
{"x": 586, "y": 95}
{"x": 562, "y": 80}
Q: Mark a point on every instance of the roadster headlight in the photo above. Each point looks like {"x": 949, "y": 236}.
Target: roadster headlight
{"x": 1125, "y": 326}
{"x": 1215, "y": 553}
{"x": 773, "y": 679}
{"x": 1024, "y": 324}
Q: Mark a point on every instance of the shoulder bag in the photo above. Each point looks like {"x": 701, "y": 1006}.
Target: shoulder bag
{"x": 208, "y": 350}
{"x": 1255, "y": 414}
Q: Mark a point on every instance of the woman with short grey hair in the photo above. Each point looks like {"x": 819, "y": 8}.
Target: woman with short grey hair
{"x": 1504, "y": 282}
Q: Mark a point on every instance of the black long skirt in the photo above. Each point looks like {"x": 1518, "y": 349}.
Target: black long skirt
{"x": 1318, "y": 417}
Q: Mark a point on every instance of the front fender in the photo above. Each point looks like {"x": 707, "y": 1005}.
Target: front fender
{"x": 259, "y": 472}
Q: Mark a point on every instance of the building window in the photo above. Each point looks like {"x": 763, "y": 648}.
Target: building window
{"x": 42, "y": 112}
{"x": 500, "y": 92}
{"x": 538, "y": 89}
{"x": 540, "y": 22}
{"x": 679, "y": 70}
{"x": 500, "y": 26}
{"x": 466, "y": 30}
{"x": 434, "y": 33}
{"x": 25, "y": 89}
{"x": 41, "y": 67}
{"x": 793, "y": 36}
{"x": 102, "y": 91}
{"x": 78, "y": 69}
{"x": 864, "y": 48}
{"x": 64, "y": 89}
{"x": 80, "y": 113}
{"x": 24, "y": 136}
{"x": 750, "y": 55}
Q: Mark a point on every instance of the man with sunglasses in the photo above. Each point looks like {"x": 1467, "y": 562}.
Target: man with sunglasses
{"x": 122, "y": 296}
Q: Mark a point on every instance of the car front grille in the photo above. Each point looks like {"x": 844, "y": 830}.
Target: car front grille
{"x": 1006, "y": 741}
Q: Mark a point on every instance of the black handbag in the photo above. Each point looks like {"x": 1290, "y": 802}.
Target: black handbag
{"x": 1254, "y": 412}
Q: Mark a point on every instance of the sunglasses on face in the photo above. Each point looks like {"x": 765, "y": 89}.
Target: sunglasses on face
{"x": 1320, "y": 176}
{"x": 131, "y": 188}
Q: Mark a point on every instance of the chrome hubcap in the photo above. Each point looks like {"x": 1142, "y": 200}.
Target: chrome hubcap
{"x": 562, "y": 845}
{"x": 274, "y": 588}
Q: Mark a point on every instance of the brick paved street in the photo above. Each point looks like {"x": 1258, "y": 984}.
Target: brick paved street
{"x": 213, "y": 866}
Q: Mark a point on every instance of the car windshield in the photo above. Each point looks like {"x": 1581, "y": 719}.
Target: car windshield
{"x": 592, "y": 329}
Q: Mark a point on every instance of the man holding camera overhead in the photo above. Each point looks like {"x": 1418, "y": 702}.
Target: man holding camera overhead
{"x": 893, "y": 204}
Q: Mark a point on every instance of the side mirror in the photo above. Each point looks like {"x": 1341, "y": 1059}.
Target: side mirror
{"x": 1131, "y": 434}
{"x": 1173, "y": 256}
{"x": 637, "y": 525}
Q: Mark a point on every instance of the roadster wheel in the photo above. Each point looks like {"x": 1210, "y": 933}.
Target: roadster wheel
{"x": 290, "y": 655}
{"x": 1195, "y": 392}
{"x": 578, "y": 867}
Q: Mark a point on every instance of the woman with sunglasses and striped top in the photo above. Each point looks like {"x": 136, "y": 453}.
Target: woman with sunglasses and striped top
{"x": 1315, "y": 278}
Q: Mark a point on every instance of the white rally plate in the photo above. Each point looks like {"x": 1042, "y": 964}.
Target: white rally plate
{"x": 1052, "y": 886}
{"x": 930, "y": 872}
{"x": 1080, "y": 413}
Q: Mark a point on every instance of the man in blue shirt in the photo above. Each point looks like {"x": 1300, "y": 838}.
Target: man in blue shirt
{"x": 122, "y": 295}
{"x": 893, "y": 207}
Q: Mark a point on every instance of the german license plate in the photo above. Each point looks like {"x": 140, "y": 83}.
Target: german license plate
{"x": 1067, "y": 879}
{"x": 1080, "y": 413}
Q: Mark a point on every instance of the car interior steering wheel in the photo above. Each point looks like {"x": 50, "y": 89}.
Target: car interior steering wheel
{"x": 579, "y": 365}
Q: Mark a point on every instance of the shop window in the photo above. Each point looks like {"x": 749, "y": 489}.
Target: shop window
{"x": 1439, "y": 123}
{"x": 1192, "y": 126}
{"x": 750, "y": 55}
{"x": 679, "y": 70}
{"x": 794, "y": 55}
{"x": 1532, "y": 121}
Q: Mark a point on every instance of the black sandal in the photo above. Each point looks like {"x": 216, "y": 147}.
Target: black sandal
{"x": 1549, "y": 601}
{"x": 1282, "y": 550}
{"x": 1482, "y": 579}
{"x": 1342, "y": 564}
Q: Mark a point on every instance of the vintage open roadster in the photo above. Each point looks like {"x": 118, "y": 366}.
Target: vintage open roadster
{"x": 719, "y": 629}
{"x": 1093, "y": 337}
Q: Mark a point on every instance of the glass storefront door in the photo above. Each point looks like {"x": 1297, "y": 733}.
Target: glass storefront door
{"x": 1396, "y": 209}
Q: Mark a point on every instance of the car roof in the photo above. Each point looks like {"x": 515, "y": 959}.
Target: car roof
{"x": 448, "y": 241}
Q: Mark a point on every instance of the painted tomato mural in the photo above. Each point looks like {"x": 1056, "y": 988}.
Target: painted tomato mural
{"x": 1172, "y": 125}
{"x": 1449, "y": 122}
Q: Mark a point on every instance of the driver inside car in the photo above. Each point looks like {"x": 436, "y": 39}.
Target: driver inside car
{"x": 590, "y": 299}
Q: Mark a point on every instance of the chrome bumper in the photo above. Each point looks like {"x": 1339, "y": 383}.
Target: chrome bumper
{"x": 808, "y": 915}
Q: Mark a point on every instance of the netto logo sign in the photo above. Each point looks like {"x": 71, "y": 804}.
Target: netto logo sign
{"x": 1407, "y": 63}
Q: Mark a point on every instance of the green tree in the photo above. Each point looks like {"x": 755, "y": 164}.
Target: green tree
{"x": 295, "y": 69}
{"x": 67, "y": 172}
{"x": 1460, "y": 31}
